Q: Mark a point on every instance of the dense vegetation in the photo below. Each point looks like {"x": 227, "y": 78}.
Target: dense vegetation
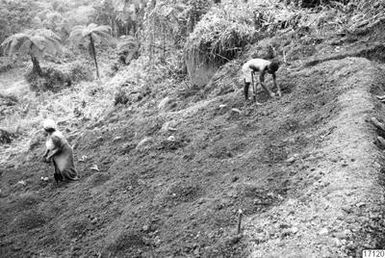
{"x": 167, "y": 27}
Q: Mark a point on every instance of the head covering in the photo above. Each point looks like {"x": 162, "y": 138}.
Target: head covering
{"x": 274, "y": 65}
{"x": 49, "y": 124}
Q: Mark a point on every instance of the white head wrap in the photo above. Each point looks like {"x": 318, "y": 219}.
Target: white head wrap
{"x": 49, "y": 124}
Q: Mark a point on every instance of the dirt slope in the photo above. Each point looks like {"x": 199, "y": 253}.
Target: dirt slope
{"x": 339, "y": 198}
{"x": 303, "y": 168}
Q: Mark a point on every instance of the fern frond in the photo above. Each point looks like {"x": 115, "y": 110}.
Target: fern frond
{"x": 103, "y": 28}
{"x": 38, "y": 41}
{"x": 12, "y": 43}
{"x": 102, "y": 38}
{"x": 78, "y": 28}
{"x": 36, "y": 52}
{"x": 32, "y": 42}
{"x": 76, "y": 34}
{"x": 25, "y": 48}
{"x": 86, "y": 32}
{"x": 99, "y": 33}
{"x": 48, "y": 34}
{"x": 102, "y": 34}
{"x": 92, "y": 26}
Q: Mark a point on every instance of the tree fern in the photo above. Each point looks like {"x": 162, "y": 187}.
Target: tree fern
{"x": 35, "y": 43}
{"x": 94, "y": 34}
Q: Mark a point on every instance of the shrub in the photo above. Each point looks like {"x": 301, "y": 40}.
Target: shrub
{"x": 121, "y": 97}
{"x": 79, "y": 71}
{"x": 6, "y": 137}
{"x": 8, "y": 100}
{"x": 113, "y": 69}
{"x": 217, "y": 39}
{"x": 127, "y": 50}
{"x": 56, "y": 78}
{"x": 51, "y": 79}
{"x": 6, "y": 64}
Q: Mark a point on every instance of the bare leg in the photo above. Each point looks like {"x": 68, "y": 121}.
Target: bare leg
{"x": 262, "y": 82}
{"x": 57, "y": 175}
{"x": 279, "y": 92}
{"x": 246, "y": 90}
{"x": 253, "y": 85}
{"x": 254, "y": 90}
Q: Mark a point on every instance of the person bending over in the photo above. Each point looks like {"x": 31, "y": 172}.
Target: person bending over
{"x": 262, "y": 66}
{"x": 60, "y": 152}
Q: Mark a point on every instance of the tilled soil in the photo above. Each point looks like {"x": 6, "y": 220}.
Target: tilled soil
{"x": 171, "y": 179}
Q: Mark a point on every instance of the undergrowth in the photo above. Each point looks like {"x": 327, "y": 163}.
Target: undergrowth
{"x": 226, "y": 30}
{"x": 218, "y": 40}
{"x": 56, "y": 77}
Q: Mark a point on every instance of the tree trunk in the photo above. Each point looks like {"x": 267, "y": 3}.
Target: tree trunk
{"x": 36, "y": 66}
{"x": 93, "y": 52}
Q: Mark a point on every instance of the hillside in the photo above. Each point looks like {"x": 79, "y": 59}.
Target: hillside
{"x": 176, "y": 163}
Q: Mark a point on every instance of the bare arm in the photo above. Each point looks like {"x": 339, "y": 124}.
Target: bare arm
{"x": 46, "y": 153}
{"x": 58, "y": 147}
{"x": 262, "y": 82}
{"x": 53, "y": 152}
